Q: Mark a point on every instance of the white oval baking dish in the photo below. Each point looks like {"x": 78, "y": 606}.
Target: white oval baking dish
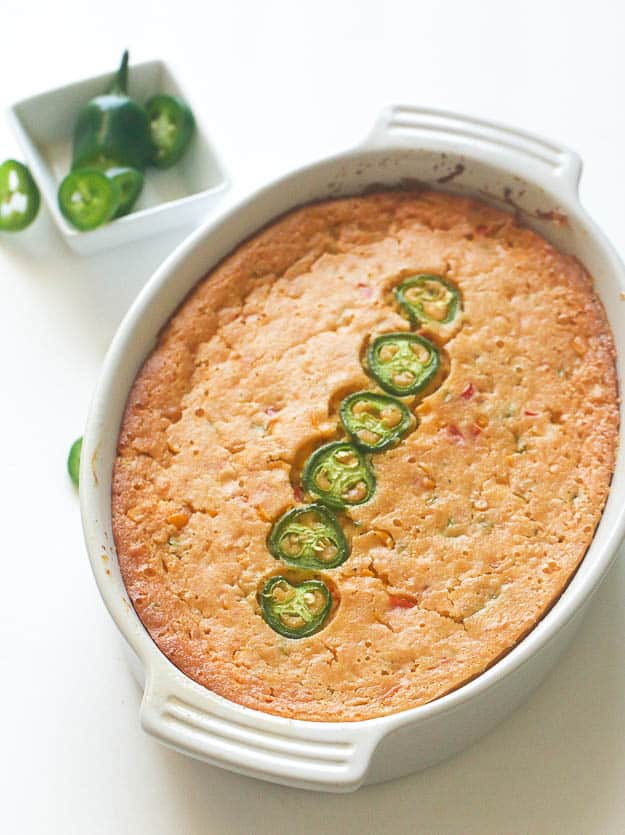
{"x": 537, "y": 178}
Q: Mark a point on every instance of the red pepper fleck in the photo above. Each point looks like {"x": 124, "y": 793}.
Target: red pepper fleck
{"x": 454, "y": 433}
{"x": 468, "y": 391}
{"x": 391, "y": 691}
{"x": 530, "y": 414}
{"x": 396, "y": 602}
{"x": 298, "y": 493}
{"x": 366, "y": 291}
{"x": 475, "y": 430}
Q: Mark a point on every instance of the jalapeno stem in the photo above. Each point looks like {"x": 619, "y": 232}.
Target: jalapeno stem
{"x": 120, "y": 82}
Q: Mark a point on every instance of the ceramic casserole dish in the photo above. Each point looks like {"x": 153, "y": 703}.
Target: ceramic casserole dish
{"x": 532, "y": 176}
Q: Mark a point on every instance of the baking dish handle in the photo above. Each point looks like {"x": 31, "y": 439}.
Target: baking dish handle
{"x": 314, "y": 755}
{"x": 440, "y": 129}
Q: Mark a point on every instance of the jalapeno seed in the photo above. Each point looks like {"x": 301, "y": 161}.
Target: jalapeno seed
{"x": 428, "y": 299}
{"x": 374, "y": 422}
{"x": 309, "y": 537}
{"x": 338, "y": 474}
{"x": 295, "y": 610}
{"x": 406, "y": 369}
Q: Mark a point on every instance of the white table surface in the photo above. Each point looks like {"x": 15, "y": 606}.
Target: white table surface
{"x": 280, "y": 82}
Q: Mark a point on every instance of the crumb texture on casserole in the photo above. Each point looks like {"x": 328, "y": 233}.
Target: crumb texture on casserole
{"x": 480, "y": 516}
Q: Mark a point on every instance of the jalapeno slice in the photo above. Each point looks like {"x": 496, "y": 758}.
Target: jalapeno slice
{"x": 374, "y": 421}
{"x": 171, "y": 127}
{"x": 73, "y": 461}
{"x": 130, "y": 182}
{"x": 88, "y": 198}
{"x": 428, "y": 299}
{"x": 309, "y": 537}
{"x": 402, "y": 363}
{"x": 19, "y": 197}
{"x": 295, "y": 611}
{"x": 338, "y": 475}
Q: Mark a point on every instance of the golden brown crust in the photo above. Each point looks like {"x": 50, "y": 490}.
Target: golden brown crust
{"x": 480, "y": 516}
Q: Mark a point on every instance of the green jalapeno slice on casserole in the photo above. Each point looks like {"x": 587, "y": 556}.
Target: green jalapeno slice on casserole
{"x": 338, "y": 475}
{"x": 402, "y": 363}
{"x": 428, "y": 299}
{"x": 295, "y": 611}
{"x": 374, "y": 421}
{"x": 309, "y": 537}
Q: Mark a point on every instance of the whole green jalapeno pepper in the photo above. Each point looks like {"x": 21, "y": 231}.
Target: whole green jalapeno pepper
{"x": 339, "y": 475}
{"x": 295, "y": 611}
{"x": 402, "y": 363}
{"x": 112, "y": 129}
{"x": 19, "y": 197}
{"x": 171, "y": 128}
{"x": 308, "y": 537}
{"x": 375, "y": 422}
{"x": 428, "y": 299}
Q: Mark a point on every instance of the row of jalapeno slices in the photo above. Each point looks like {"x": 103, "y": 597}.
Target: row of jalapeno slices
{"x": 339, "y": 475}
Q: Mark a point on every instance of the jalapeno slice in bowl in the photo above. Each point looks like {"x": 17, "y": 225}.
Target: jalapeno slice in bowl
{"x": 130, "y": 182}
{"x": 295, "y": 611}
{"x": 171, "y": 128}
{"x": 374, "y": 422}
{"x": 402, "y": 363}
{"x": 338, "y": 475}
{"x": 428, "y": 299}
{"x": 88, "y": 198}
{"x": 308, "y": 537}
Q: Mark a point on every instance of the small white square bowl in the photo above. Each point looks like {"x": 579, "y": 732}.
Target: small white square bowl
{"x": 182, "y": 194}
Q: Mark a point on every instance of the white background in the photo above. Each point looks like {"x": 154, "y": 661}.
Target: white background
{"x": 280, "y": 83}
